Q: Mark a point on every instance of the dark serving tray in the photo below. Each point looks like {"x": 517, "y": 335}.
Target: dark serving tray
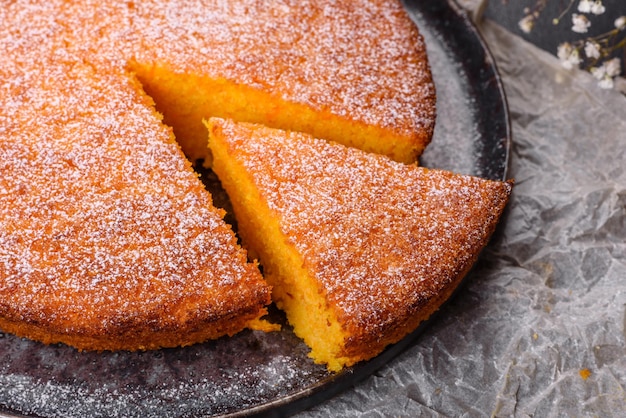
{"x": 255, "y": 373}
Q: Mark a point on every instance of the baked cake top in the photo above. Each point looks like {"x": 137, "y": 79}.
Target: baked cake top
{"x": 381, "y": 238}
{"x": 364, "y": 59}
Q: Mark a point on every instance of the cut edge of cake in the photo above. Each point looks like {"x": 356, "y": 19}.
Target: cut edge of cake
{"x": 334, "y": 340}
{"x": 186, "y": 99}
{"x": 196, "y": 148}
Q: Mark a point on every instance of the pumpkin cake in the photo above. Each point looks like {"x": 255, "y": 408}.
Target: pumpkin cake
{"x": 108, "y": 240}
{"x": 359, "y": 249}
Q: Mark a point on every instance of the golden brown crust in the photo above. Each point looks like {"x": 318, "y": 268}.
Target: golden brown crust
{"x": 460, "y": 214}
{"x": 385, "y": 242}
{"x": 300, "y": 53}
{"x": 138, "y": 336}
{"x": 107, "y": 239}
{"x": 362, "y": 61}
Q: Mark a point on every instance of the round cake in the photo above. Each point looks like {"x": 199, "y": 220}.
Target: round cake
{"x": 108, "y": 240}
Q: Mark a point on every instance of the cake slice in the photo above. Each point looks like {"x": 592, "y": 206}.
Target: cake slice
{"x": 108, "y": 239}
{"x": 359, "y": 249}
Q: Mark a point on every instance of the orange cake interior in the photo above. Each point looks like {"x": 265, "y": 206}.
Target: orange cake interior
{"x": 359, "y": 249}
{"x": 185, "y": 100}
{"x": 353, "y": 72}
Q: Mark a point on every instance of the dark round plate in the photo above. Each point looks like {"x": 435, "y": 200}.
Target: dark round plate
{"x": 256, "y": 373}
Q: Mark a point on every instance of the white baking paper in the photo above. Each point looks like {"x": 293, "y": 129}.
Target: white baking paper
{"x": 539, "y": 329}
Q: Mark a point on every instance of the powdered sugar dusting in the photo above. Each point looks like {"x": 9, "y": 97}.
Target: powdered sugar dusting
{"x": 81, "y": 203}
{"x": 71, "y": 184}
{"x": 381, "y": 237}
{"x": 97, "y": 200}
{"x": 363, "y": 60}
{"x": 156, "y": 384}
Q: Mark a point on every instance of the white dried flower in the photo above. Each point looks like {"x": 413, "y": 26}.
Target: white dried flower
{"x": 592, "y": 49}
{"x": 597, "y": 8}
{"x": 598, "y": 72}
{"x": 585, "y": 6}
{"x": 591, "y": 6}
{"x": 613, "y": 67}
{"x": 527, "y": 23}
{"x": 606, "y": 73}
{"x": 568, "y": 55}
{"x": 604, "y": 80}
{"x": 591, "y": 52}
{"x": 580, "y": 23}
{"x": 606, "y": 83}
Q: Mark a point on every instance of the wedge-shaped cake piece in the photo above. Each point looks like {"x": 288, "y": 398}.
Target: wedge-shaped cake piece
{"x": 108, "y": 239}
{"x": 359, "y": 249}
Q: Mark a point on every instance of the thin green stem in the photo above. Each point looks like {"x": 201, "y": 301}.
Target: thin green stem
{"x": 557, "y": 19}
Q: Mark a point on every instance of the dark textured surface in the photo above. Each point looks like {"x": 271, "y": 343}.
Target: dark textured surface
{"x": 252, "y": 372}
{"x": 548, "y": 34}
{"x": 473, "y": 134}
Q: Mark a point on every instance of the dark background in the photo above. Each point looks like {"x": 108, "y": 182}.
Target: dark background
{"x": 546, "y": 34}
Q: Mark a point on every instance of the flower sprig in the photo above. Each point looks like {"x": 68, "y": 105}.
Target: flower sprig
{"x": 595, "y": 53}
{"x": 531, "y": 14}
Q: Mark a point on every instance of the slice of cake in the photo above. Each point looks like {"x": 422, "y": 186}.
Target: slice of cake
{"x": 359, "y": 249}
{"x": 108, "y": 239}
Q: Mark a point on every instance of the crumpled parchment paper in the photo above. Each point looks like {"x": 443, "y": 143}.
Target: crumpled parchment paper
{"x": 539, "y": 329}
